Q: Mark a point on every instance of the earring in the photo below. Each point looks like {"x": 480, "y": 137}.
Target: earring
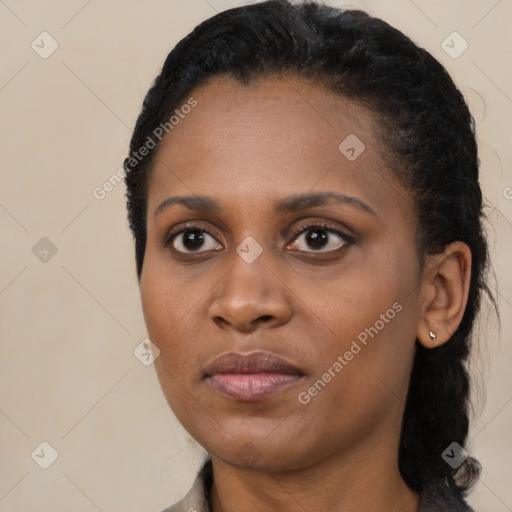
{"x": 432, "y": 336}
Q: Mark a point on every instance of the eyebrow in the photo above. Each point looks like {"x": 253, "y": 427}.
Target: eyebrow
{"x": 286, "y": 205}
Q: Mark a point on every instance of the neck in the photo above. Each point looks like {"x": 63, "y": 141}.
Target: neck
{"x": 358, "y": 479}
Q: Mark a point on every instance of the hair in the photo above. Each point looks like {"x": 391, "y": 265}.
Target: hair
{"x": 428, "y": 138}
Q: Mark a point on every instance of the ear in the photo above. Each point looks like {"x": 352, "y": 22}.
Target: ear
{"x": 445, "y": 288}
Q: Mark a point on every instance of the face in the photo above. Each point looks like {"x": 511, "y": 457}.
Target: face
{"x": 301, "y": 248}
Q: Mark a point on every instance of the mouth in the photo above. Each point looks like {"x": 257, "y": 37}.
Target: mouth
{"x": 251, "y": 377}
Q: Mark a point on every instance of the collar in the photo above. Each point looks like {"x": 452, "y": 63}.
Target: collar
{"x": 435, "y": 497}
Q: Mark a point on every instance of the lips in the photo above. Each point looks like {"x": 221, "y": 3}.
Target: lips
{"x": 255, "y": 362}
{"x": 250, "y": 377}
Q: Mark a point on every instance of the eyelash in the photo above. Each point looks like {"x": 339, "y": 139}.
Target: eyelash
{"x": 347, "y": 239}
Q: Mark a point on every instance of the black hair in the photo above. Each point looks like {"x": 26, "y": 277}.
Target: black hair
{"x": 428, "y": 136}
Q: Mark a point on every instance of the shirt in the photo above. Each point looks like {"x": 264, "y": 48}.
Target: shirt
{"x": 436, "y": 497}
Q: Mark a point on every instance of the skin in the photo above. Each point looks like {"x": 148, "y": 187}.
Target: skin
{"x": 248, "y": 147}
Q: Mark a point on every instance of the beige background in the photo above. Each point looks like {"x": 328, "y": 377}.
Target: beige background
{"x": 69, "y": 324}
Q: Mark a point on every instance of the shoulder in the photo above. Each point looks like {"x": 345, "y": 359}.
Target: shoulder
{"x": 435, "y": 497}
{"x": 439, "y": 497}
{"x": 196, "y": 499}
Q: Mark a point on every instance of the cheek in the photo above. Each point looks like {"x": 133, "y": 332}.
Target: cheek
{"x": 167, "y": 314}
{"x": 168, "y": 309}
{"x": 158, "y": 305}
{"x": 168, "y": 298}
{"x": 361, "y": 377}
{"x": 369, "y": 319}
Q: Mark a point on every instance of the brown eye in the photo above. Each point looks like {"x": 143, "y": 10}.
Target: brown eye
{"x": 319, "y": 239}
{"x": 192, "y": 240}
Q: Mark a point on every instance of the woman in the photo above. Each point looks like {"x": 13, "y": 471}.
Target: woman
{"x": 303, "y": 193}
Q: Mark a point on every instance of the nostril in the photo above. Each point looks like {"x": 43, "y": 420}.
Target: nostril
{"x": 220, "y": 321}
{"x": 223, "y": 322}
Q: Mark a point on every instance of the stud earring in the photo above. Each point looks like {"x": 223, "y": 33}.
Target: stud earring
{"x": 432, "y": 336}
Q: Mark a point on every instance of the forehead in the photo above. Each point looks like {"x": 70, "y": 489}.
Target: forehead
{"x": 229, "y": 114}
{"x": 273, "y": 136}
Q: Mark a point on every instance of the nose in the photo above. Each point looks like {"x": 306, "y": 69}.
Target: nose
{"x": 251, "y": 296}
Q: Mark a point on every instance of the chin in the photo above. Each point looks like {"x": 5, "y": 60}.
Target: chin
{"x": 258, "y": 453}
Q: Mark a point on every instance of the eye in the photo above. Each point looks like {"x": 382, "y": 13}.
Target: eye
{"x": 192, "y": 239}
{"x": 320, "y": 238}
